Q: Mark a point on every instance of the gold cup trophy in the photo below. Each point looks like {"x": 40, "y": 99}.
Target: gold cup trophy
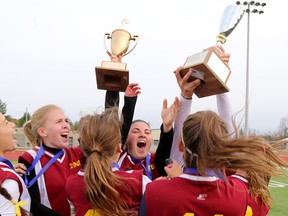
{"x": 114, "y": 76}
{"x": 207, "y": 65}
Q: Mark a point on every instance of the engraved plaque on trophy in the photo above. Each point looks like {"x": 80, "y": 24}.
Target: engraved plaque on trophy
{"x": 207, "y": 65}
{"x": 114, "y": 76}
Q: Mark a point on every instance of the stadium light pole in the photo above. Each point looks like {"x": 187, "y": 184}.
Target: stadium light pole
{"x": 248, "y": 5}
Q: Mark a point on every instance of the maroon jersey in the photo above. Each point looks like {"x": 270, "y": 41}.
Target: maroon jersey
{"x": 198, "y": 195}
{"x": 256, "y": 207}
{"x": 7, "y": 173}
{"x": 52, "y": 183}
{"x": 126, "y": 162}
{"x": 131, "y": 195}
{"x": 75, "y": 191}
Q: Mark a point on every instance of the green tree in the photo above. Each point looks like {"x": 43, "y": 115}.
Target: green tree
{"x": 26, "y": 116}
{"x": 3, "y": 107}
{"x": 73, "y": 126}
{"x": 3, "y": 110}
{"x": 76, "y": 125}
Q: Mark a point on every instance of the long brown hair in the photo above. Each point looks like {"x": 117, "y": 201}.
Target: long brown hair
{"x": 100, "y": 134}
{"x": 5, "y": 193}
{"x": 207, "y": 146}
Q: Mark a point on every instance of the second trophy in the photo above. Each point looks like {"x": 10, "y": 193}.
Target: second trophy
{"x": 114, "y": 76}
{"x": 207, "y": 65}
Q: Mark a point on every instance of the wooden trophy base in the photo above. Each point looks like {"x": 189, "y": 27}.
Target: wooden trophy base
{"x": 112, "y": 76}
{"x": 212, "y": 71}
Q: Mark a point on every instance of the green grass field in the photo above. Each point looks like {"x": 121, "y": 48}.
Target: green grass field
{"x": 279, "y": 191}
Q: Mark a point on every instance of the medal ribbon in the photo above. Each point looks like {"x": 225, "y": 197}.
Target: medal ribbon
{"x": 4, "y": 160}
{"x": 35, "y": 161}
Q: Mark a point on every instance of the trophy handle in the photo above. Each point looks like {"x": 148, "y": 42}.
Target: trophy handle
{"x": 106, "y": 36}
{"x": 135, "y": 39}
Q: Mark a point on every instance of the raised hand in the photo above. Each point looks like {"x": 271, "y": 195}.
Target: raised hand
{"x": 132, "y": 90}
{"x": 187, "y": 88}
{"x": 168, "y": 114}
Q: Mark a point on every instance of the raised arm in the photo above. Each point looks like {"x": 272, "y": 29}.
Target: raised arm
{"x": 223, "y": 103}
{"x": 187, "y": 90}
{"x": 166, "y": 136}
{"x": 112, "y": 97}
{"x": 130, "y": 99}
{"x": 225, "y": 112}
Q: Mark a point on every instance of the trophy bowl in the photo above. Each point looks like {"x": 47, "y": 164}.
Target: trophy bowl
{"x": 120, "y": 41}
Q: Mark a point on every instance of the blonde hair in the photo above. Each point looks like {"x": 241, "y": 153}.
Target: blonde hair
{"x": 207, "y": 146}
{"x": 100, "y": 134}
{"x": 37, "y": 120}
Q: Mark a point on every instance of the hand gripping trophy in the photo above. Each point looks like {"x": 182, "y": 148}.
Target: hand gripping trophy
{"x": 207, "y": 65}
{"x": 114, "y": 76}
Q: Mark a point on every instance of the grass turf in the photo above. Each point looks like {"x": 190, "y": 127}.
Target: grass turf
{"x": 279, "y": 191}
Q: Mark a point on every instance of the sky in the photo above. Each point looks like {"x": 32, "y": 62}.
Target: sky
{"x": 49, "y": 50}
